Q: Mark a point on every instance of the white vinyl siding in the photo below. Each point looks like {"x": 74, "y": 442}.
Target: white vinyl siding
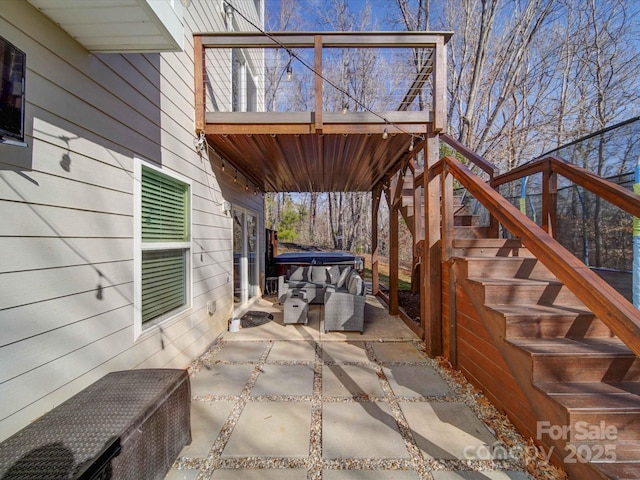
{"x": 70, "y": 255}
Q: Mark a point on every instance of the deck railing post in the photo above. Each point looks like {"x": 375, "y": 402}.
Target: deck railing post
{"x": 199, "y": 90}
{"x": 375, "y": 207}
{"x": 394, "y": 258}
{"x": 431, "y": 268}
{"x": 549, "y": 199}
{"x": 446, "y": 188}
{"x": 317, "y": 65}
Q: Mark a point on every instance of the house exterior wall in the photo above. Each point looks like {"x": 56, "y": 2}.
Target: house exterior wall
{"x": 67, "y": 208}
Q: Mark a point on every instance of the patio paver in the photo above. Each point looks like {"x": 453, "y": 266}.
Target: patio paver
{"x": 370, "y": 475}
{"x": 284, "y": 380}
{"x": 350, "y": 381}
{"x": 262, "y": 474}
{"x": 292, "y": 403}
{"x": 221, "y": 380}
{"x": 447, "y": 430}
{"x": 344, "y": 352}
{"x": 415, "y": 381}
{"x": 360, "y": 430}
{"x": 271, "y": 429}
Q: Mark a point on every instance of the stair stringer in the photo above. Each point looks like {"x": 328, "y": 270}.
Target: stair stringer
{"x": 517, "y": 366}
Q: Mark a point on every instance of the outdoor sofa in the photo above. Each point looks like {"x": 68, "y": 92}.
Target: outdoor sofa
{"x": 339, "y": 287}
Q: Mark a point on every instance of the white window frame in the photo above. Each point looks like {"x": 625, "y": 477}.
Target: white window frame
{"x": 245, "y": 287}
{"x": 139, "y": 246}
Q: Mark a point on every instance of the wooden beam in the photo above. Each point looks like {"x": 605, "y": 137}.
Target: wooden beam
{"x": 329, "y": 39}
{"x": 198, "y": 78}
{"x": 375, "y": 260}
{"x": 317, "y": 65}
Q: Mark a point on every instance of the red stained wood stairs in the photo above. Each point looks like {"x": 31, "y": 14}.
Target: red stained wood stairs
{"x": 581, "y": 383}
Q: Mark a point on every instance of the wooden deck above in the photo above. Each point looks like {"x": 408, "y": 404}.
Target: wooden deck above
{"x": 323, "y": 149}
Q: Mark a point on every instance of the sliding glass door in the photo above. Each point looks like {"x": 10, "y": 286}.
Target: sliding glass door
{"x": 246, "y": 263}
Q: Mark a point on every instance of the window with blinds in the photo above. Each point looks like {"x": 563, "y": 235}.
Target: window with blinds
{"x": 165, "y": 241}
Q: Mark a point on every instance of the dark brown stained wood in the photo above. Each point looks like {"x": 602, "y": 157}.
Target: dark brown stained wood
{"x": 394, "y": 245}
{"x": 549, "y": 200}
{"x": 317, "y": 66}
{"x": 440, "y": 87}
{"x": 609, "y": 191}
{"x": 606, "y": 303}
{"x": 318, "y": 163}
{"x": 375, "y": 260}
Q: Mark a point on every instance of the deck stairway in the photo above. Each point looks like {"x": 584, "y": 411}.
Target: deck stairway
{"x": 570, "y": 368}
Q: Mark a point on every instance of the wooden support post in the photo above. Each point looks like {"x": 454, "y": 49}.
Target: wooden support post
{"x": 375, "y": 207}
{"x": 453, "y": 320}
{"x": 200, "y": 91}
{"x": 318, "y": 82}
{"x": 494, "y": 225}
{"x": 394, "y": 258}
{"x": 446, "y": 189}
{"x": 549, "y": 199}
{"x": 431, "y": 271}
{"x": 440, "y": 86}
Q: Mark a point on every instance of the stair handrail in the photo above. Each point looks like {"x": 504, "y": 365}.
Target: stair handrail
{"x": 606, "y": 189}
{"x": 484, "y": 165}
{"x": 603, "y": 300}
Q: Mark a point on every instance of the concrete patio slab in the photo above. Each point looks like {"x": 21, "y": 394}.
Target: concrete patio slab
{"x": 292, "y": 351}
{"x": 447, "y": 430}
{"x": 267, "y": 429}
{"x": 221, "y": 380}
{"x": 415, "y": 381}
{"x": 369, "y": 475}
{"x": 327, "y": 433}
{"x": 182, "y": 474}
{"x": 262, "y": 474}
{"x": 207, "y": 419}
{"x": 284, "y": 380}
{"x": 360, "y": 430}
{"x": 344, "y": 352}
{"x": 246, "y": 352}
{"x": 350, "y": 381}
{"x": 398, "y": 352}
{"x": 484, "y": 475}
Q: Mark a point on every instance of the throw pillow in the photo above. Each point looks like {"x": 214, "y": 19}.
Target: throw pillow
{"x": 319, "y": 274}
{"x": 343, "y": 277}
{"x": 334, "y": 274}
{"x": 297, "y": 274}
{"x": 356, "y": 285}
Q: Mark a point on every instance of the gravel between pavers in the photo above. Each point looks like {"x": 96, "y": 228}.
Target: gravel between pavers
{"x": 524, "y": 460}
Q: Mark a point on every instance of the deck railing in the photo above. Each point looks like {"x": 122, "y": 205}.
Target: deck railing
{"x": 603, "y": 300}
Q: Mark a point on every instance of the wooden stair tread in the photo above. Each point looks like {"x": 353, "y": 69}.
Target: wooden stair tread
{"x": 619, "y": 470}
{"x": 539, "y": 311}
{"x": 589, "y": 388}
{"x": 486, "y": 242}
{"x": 606, "y": 347}
{"x": 506, "y": 281}
{"x": 626, "y": 403}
